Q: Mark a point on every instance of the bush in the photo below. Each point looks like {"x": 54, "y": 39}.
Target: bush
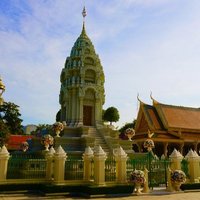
{"x": 190, "y": 186}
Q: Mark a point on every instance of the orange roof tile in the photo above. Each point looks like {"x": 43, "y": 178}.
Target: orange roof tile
{"x": 179, "y": 117}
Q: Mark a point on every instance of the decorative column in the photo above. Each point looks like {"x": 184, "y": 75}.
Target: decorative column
{"x": 193, "y": 165}
{"x": 121, "y": 158}
{"x": 59, "y": 165}
{"x": 4, "y": 156}
{"x": 73, "y": 111}
{"x": 165, "y": 149}
{"x": 49, "y": 166}
{"x": 96, "y": 110}
{"x": 181, "y": 148}
{"x": 140, "y": 144}
{"x": 176, "y": 159}
{"x": 195, "y": 146}
{"x": 99, "y": 166}
{"x": 87, "y": 157}
{"x": 80, "y": 115}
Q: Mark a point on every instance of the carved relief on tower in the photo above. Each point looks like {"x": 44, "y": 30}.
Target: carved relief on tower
{"x": 90, "y": 76}
{"x": 89, "y": 61}
{"x": 81, "y": 92}
{"x": 87, "y": 51}
{"x": 90, "y": 94}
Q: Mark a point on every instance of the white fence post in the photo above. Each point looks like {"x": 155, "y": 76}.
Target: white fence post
{"x": 99, "y": 166}
{"x": 121, "y": 158}
{"x": 87, "y": 157}
{"x": 4, "y": 156}
{"x": 59, "y": 165}
{"x": 49, "y": 166}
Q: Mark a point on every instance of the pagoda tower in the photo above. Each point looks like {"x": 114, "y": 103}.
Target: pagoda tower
{"x": 82, "y": 84}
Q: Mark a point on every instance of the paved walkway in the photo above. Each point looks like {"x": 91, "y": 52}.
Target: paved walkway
{"x": 156, "y": 195}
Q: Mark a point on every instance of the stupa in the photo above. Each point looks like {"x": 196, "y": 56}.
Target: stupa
{"x": 82, "y": 84}
{"x": 82, "y": 96}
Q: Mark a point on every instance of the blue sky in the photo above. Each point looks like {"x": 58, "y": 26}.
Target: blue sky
{"x": 144, "y": 46}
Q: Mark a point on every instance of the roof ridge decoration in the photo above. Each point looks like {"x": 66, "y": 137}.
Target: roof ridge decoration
{"x": 150, "y": 134}
{"x": 154, "y": 101}
{"x": 141, "y": 102}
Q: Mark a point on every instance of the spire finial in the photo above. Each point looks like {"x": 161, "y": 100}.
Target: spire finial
{"x": 84, "y": 13}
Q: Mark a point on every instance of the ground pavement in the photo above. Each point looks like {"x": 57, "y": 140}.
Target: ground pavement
{"x": 155, "y": 195}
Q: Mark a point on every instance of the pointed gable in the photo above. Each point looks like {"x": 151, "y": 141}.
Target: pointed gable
{"x": 148, "y": 119}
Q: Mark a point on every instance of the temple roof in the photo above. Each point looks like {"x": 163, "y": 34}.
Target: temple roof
{"x": 174, "y": 117}
{"x": 168, "y": 117}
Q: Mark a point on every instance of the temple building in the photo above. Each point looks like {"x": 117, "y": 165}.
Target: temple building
{"x": 82, "y": 96}
{"x": 82, "y": 84}
{"x": 169, "y": 127}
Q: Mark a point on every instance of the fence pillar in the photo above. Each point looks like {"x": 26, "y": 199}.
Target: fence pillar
{"x": 4, "y": 156}
{"x": 87, "y": 157}
{"x": 121, "y": 158}
{"x": 176, "y": 159}
{"x": 193, "y": 165}
{"x": 49, "y": 166}
{"x": 59, "y": 165}
{"x": 169, "y": 182}
{"x": 146, "y": 183}
{"x": 99, "y": 165}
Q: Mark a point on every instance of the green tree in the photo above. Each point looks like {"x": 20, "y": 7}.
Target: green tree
{"x": 10, "y": 116}
{"x": 58, "y": 116}
{"x": 4, "y": 130}
{"x": 127, "y": 125}
{"x": 111, "y": 114}
{"x": 43, "y": 129}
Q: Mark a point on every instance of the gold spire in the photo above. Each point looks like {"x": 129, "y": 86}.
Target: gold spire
{"x": 84, "y": 13}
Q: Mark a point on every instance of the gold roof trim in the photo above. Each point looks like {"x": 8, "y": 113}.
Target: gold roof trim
{"x": 154, "y": 101}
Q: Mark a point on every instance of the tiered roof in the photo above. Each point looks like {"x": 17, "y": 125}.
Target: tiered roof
{"x": 177, "y": 121}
